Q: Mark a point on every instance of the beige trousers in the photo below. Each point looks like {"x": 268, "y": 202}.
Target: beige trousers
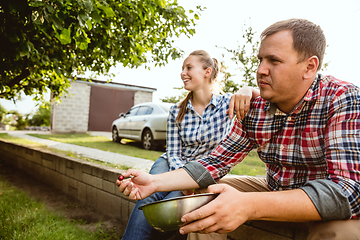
{"x": 332, "y": 230}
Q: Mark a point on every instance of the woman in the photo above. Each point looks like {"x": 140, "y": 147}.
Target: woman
{"x": 195, "y": 127}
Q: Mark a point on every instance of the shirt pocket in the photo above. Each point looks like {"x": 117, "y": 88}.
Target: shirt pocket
{"x": 311, "y": 146}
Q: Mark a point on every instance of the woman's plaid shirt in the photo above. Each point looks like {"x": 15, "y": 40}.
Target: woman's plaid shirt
{"x": 196, "y": 136}
{"x": 319, "y": 139}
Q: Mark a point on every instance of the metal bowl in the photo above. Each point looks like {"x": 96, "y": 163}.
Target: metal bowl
{"x": 165, "y": 215}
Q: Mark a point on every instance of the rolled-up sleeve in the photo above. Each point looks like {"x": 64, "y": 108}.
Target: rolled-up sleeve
{"x": 342, "y": 152}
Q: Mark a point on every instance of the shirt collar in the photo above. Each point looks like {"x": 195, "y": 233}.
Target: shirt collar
{"x": 215, "y": 100}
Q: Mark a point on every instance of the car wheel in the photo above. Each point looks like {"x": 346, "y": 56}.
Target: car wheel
{"x": 115, "y": 135}
{"x": 148, "y": 142}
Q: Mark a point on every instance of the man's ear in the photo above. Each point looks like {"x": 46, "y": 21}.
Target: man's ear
{"x": 311, "y": 67}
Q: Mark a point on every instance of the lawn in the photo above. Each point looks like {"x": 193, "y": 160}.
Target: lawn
{"x": 129, "y": 148}
{"x": 251, "y": 165}
{"x": 24, "y": 218}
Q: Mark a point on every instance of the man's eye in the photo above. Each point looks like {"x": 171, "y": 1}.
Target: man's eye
{"x": 274, "y": 60}
{"x": 188, "y": 68}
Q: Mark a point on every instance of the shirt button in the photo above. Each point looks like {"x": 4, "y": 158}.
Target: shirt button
{"x": 282, "y": 147}
{"x": 284, "y": 169}
{"x": 288, "y": 119}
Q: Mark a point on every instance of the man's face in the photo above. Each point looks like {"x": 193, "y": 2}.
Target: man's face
{"x": 279, "y": 75}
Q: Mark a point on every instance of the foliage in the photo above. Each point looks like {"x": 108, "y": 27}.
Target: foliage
{"x": 245, "y": 57}
{"x": 3, "y": 112}
{"x": 15, "y": 119}
{"x": 175, "y": 99}
{"x": 46, "y": 43}
{"x": 41, "y": 116}
{"x": 229, "y": 85}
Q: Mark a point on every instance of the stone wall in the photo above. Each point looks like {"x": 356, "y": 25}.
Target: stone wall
{"x": 72, "y": 114}
{"x": 94, "y": 185}
{"x": 141, "y": 97}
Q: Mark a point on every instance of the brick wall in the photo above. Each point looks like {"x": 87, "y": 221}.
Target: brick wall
{"x": 94, "y": 185}
{"x": 72, "y": 114}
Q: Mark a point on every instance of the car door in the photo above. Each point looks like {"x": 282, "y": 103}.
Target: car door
{"x": 124, "y": 124}
{"x": 139, "y": 120}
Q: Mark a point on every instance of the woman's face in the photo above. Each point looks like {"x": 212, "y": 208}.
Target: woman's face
{"x": 193, "y": 75}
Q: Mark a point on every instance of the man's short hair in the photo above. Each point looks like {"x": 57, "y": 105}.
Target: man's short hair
{"x": 309, "y": 39}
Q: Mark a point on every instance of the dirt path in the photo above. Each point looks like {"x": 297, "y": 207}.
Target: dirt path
{"x": 57, "y": 201}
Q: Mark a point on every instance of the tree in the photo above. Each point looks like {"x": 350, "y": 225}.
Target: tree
{"x": 175, "y": 99}
{"x": 41, "y": 116}
{"x": 46, "y": 43}
{"x": 245, "y": 58}
{"x": 3, "y": 113}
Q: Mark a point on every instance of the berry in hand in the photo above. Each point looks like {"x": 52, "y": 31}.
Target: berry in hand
{"x": 121, "y": 177}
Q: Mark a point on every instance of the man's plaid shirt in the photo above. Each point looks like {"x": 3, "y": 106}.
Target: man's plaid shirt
{"x": 319, "y": 139}
{"x": 196, "y": 136}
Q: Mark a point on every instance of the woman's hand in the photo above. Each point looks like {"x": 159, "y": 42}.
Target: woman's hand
{"x": 240, "y": 101}
{"x": 139, "y": 186}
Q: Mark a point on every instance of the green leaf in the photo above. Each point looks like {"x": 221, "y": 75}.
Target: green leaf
{"x": 88, "y": 5}
{"x": 57, "y": 23}
{"x": 37, "y": 3}
{"x": 95, "y": 15}
{"x": 89, "y": 24}
{"x": 83, "y": 45}
{"x": 65, "y": 37}
{"x": 108, "y": 11}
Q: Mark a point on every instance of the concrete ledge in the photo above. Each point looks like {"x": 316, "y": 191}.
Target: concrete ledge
{"x": 94, "y": 185}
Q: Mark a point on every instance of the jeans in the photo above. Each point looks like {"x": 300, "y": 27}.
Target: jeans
{"x": 137, "y": 227}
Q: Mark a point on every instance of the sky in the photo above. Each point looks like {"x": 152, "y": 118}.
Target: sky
{"x": 222, "y": 24}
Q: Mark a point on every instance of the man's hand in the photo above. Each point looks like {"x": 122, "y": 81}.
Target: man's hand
{"x": 232, "y": 208}
{"x": 139, "y": 186}
{"x": 224, "y": 214}
{"x": 240, "y": 102}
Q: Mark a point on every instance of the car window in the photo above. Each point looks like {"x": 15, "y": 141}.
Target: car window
{"x": 149, "y": 111}
{"x": 132, "y": 112}
{"x": 144, "y": 110}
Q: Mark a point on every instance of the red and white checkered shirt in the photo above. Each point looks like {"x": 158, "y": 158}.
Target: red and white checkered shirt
{"x": 319, "y": 139}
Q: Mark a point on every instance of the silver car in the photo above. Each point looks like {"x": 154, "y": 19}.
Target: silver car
{"x": 145, "y": 123}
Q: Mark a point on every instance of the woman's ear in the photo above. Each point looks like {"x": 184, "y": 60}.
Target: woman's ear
{"x": 311, "y": 67}
{"x": 208, "y": 72}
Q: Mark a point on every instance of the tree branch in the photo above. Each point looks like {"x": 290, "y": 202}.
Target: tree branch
{"x": 16, "y": 80}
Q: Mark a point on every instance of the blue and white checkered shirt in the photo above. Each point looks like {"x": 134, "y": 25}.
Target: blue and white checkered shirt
{"x": 196, "y": 136}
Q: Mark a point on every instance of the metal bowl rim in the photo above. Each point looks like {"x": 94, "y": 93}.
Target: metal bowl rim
{"x": 177, "y": 198}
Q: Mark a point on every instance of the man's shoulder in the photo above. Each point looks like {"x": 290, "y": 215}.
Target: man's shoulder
{"x": 329, "y": 82}
{"x": 333, "y": 90}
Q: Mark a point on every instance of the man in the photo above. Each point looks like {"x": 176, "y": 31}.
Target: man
{"x": 306, "y": 128}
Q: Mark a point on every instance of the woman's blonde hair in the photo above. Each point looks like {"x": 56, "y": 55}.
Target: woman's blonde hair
{"x": 207, "y": 62}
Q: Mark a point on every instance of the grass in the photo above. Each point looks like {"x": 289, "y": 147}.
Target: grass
{"x": 251, "y": 165}
{"x": 24, "y": 218}
{"x": 130, "y": 148}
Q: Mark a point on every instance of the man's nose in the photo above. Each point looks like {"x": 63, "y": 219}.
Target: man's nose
{"x": 263, "y": 69}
